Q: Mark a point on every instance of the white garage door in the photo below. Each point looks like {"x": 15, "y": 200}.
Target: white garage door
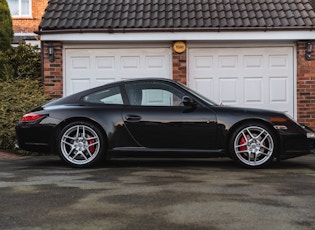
{"x": 246, "y": 77}
{"x": 87, "y": 68}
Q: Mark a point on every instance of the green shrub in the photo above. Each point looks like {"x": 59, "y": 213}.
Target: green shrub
{"x": 23, "y": 61}
{"x": 17, "y": 97}
{"x": 6, "y": 69}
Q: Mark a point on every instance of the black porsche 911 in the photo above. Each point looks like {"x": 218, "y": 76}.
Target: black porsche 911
{"x": 158, "y": 117}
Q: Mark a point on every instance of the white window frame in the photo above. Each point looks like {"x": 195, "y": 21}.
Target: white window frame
{"x": 19, "y": 13}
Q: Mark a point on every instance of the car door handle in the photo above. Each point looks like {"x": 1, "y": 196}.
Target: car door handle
{"x": 133, "y": 118}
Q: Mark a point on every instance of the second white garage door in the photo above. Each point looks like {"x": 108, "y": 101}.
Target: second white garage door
{"x": 248, "y": 77}
{"x": 87, "y": 68}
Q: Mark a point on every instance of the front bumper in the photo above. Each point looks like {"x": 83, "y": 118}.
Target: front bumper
{"x": 295, "y": 145}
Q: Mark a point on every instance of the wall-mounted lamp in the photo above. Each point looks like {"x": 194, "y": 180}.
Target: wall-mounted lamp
{"x": 308, "y": 50}
{"x": 51, "y": 52}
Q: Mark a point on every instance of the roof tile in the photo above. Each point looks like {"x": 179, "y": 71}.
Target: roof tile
{"x": 168, "y": 14}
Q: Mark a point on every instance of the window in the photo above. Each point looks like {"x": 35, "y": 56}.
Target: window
{"x": 20, "y": 8}
{"x": 153, "y": 94}
{"x": 105, "y": 96}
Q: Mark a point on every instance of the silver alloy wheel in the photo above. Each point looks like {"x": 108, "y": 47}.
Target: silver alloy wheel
{"x": 254, "y": 146}
{"x": 80, "y": 144}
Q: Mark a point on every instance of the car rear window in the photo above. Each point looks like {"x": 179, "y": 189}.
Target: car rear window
{"x": 105, "y": 96}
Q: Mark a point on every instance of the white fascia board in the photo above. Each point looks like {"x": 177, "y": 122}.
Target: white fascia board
{"x": 25, "y": 34}
{"x": 188, "y": 36}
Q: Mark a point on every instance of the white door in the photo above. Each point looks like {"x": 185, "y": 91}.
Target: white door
{"x": 87, "y": 68}
{"x": 247, "y": 77}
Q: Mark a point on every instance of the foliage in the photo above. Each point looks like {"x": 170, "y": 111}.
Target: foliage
{"x": 6, "y": 28}
{"x": 17, "y": 97}
{"x": 20, "y": 62}
{"x": 19, "y": 80}
{"x": 20, "y": 89}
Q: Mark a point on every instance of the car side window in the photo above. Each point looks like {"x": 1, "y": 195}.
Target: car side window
{"x": 153, "y": 94}
{"x": 105, "y": 96}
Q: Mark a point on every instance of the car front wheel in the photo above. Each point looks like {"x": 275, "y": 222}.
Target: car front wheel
{"x": 81, "y": 144}
{"x": 253, "y": 145}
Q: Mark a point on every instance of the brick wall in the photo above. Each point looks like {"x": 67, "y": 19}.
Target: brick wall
{"x": 305, "y": 87}
{"x": 52, "y": 71}
{"x": 29, "y": 25}
{"x": 179, "y": 67}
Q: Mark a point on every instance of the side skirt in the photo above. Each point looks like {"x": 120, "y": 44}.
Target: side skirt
{"x": 164, "y": 153}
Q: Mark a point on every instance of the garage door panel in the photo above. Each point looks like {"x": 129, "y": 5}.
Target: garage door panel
{"x": 261, "y": 77}
{"x": 130, "y": 63}
{"x": 228, "y": 91}
{"x": 204, "y": 62}
{"x": 253, "y": 91}
{"x": 155, "y": 62}
{"x": 101, "y": 66}
{"x": 228, "y": 62}
{"x": 278, "y": 89}
{"x": 78, "y": 85}
{"x": 80, "y": 67}
{"x": 205, "y": 87}
{"x": 278, "y": 62}
{"x": 253, "y": 62}
{"x": 80, "y": 63}
{"x": 105, "y": 62}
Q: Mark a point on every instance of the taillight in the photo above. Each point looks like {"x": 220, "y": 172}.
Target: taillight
{"x": 31, "y": 117}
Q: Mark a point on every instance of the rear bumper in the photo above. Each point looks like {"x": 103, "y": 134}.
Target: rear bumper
{"x": 35, "y": 147}
{"x": 35, "y": 138}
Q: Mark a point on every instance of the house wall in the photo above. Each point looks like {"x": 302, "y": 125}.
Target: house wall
{"x": 305, "y": 85}
{"x": 179, "y": 67}
{"x": 29, "y": 25}
{"x": 52, "y": 70}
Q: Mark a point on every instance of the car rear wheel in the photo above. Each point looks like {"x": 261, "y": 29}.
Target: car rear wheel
{"x": 81, "y": 144}
{"x": 253, "y": 145}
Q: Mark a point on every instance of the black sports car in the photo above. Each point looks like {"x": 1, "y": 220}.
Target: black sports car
{"x": 158, "y": 117}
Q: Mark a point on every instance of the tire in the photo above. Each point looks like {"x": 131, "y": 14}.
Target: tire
{"x": 81, "y": 144}
{"x": 253, "y": 145}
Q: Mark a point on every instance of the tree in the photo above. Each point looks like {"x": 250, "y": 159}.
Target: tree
{"x": 6, "y": 28}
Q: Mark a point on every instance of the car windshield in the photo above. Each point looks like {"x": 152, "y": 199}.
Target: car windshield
{"x": 201, "y": 97}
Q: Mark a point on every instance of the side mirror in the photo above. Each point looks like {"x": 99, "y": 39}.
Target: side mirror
{"x": 187, "y": 101}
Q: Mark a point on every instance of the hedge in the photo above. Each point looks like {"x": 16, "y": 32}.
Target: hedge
{"x": 22, "y": 61}
{"x": 17, "y": 97}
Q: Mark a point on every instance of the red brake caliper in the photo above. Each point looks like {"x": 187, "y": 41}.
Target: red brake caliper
{"x": 92, "y": 147}
{"x": 242, "y": 142}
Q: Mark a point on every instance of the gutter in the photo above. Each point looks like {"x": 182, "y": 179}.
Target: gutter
{"x": 174, "y": 30}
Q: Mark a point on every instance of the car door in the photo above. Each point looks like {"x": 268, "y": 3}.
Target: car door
{"x": 156, "y": 118}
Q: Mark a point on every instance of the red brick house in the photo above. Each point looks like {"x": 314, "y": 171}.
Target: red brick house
{"x": 26, "y": 17}
{"x": 242, "y": 53}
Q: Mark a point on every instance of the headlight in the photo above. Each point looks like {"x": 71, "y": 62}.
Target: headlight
{"x": 310, "y": 135}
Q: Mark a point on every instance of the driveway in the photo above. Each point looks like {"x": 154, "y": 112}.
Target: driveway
{"x": 43, "y": 193}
